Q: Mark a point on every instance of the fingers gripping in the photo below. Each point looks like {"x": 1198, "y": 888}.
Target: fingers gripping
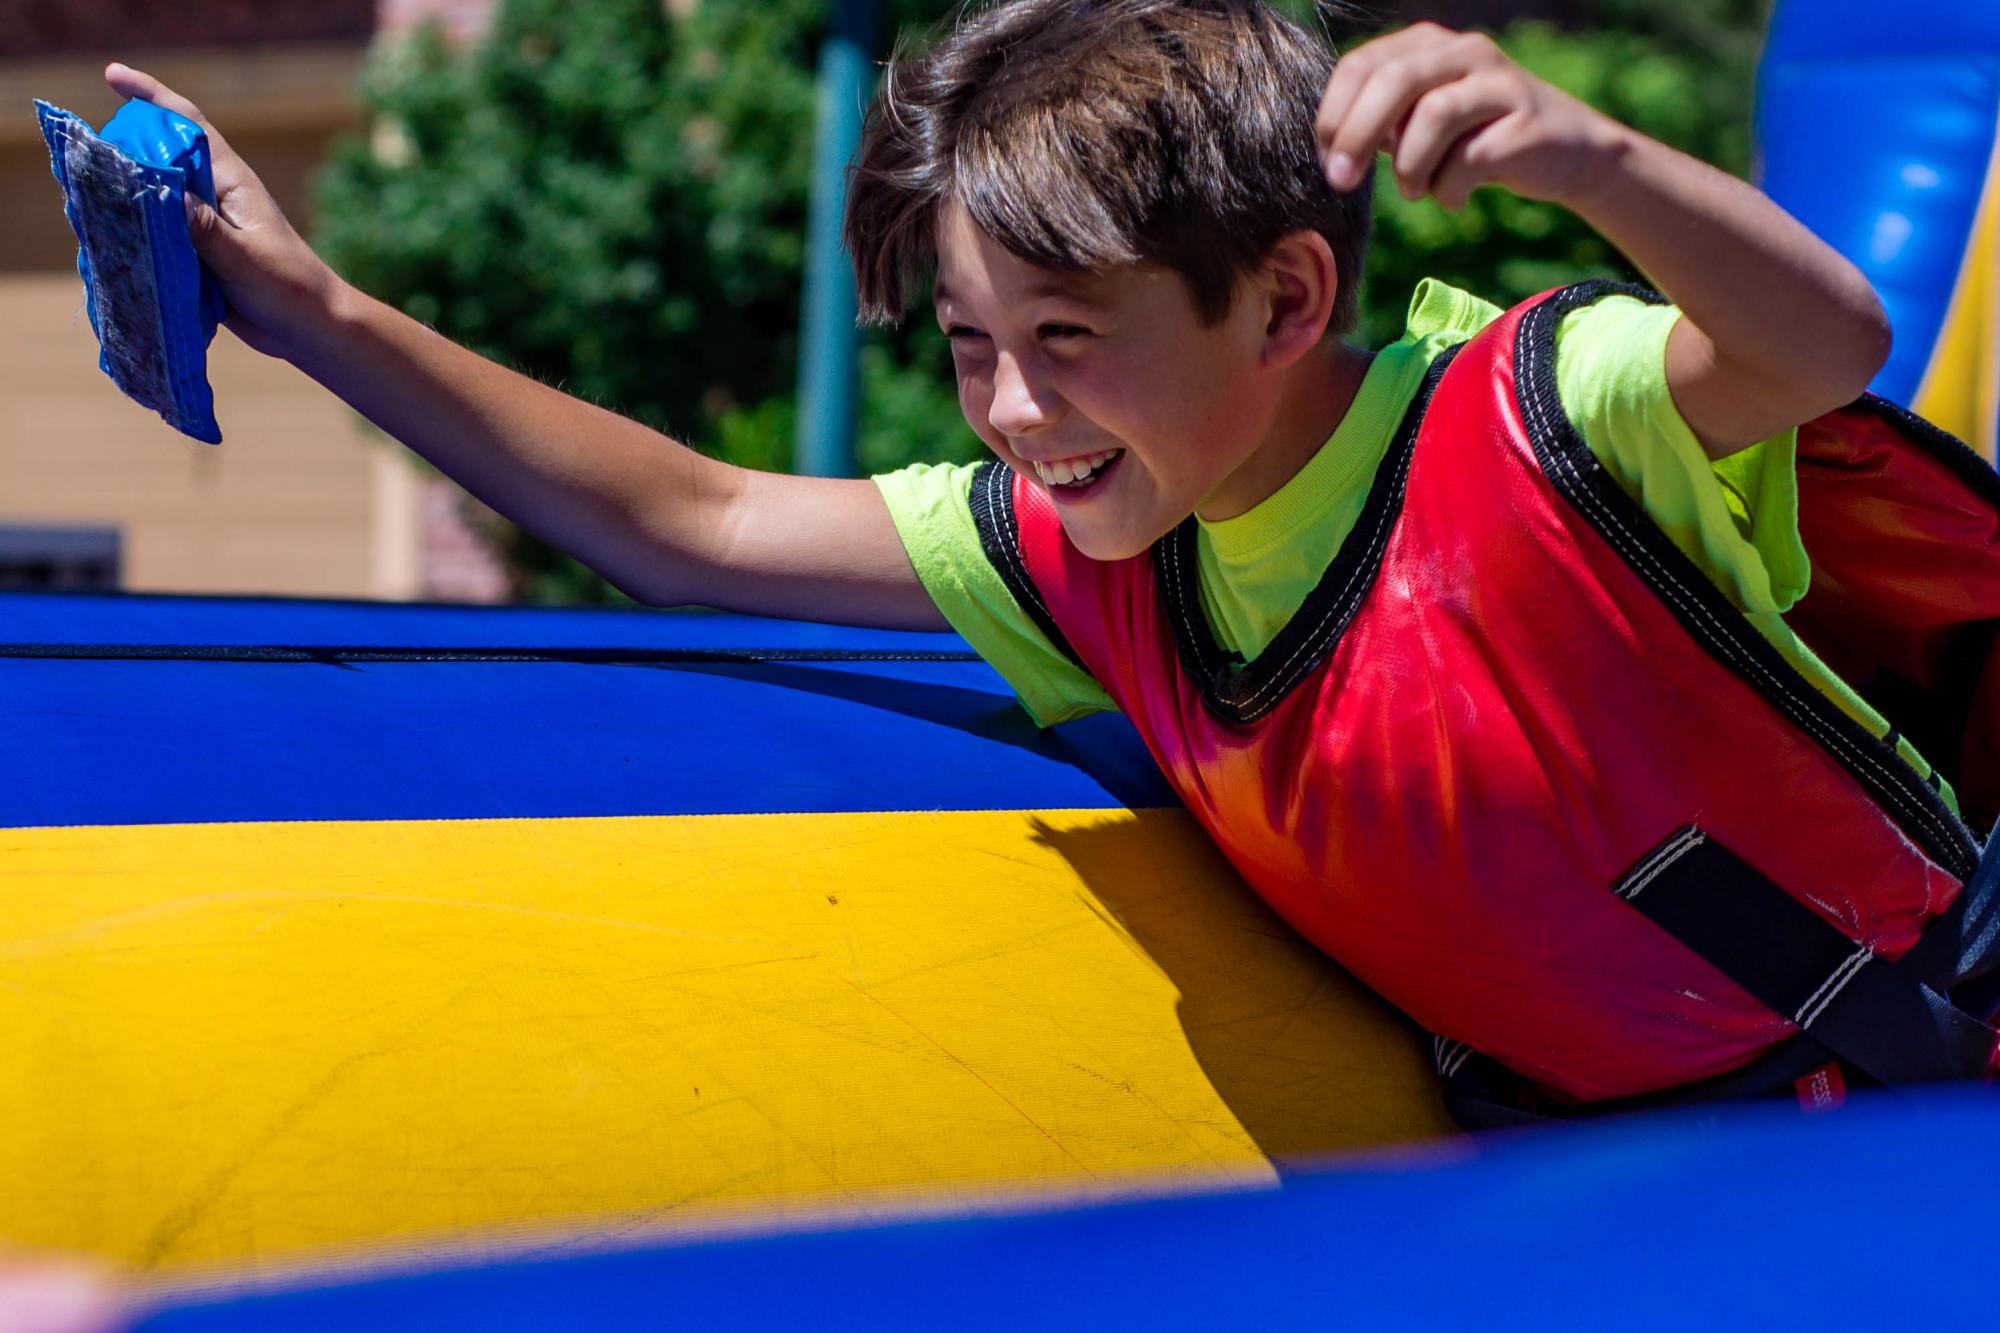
{"x": 276, "y": 287}
{"x": 129, "y": 82}
{"x": 227, "y": 169}
{"x": 1439, "y": 139}
{"x": 1377, "y": 88}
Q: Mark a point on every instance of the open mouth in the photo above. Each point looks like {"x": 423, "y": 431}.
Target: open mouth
{"x": 1077, "y": 474}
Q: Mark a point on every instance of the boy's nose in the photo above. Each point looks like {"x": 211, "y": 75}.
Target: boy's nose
{"x": 1019, "y": 404}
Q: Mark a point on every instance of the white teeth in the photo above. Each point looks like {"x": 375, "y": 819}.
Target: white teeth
{"x": 1068, "y": 471}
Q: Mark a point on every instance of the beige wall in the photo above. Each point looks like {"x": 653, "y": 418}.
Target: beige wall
{"x": 300, "y": 498}
{"x": 279, "y": 107}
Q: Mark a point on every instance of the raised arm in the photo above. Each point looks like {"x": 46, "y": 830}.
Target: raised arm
{"x": 1778, "y": 327}
{"x": 667, "y": 525}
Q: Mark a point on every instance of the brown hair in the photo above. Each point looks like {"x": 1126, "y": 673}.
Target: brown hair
{"x": 1086, "y": 134}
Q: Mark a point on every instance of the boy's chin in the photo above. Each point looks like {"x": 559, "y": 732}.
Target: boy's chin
{"x": 1105, "y": 544}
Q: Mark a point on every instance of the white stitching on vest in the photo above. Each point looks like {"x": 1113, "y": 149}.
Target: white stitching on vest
{"x": 1653, "y": 867}
{"x": 1633, "y": 550}
{"x": 1837, "y": 979}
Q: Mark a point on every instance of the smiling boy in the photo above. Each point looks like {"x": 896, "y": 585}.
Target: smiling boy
{"x": 1457, "y": 649}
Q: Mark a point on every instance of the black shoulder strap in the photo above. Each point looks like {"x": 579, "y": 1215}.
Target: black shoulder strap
{"x": 1701, "y": 608}
{"x": 999, "y": 527}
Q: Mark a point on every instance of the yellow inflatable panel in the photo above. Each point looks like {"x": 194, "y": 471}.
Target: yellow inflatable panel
{"x": 1961, "y": 386}
{"x": 246, "y": 1043}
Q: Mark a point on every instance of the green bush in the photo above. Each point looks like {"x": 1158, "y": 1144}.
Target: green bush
{"x": 614, "y": 201}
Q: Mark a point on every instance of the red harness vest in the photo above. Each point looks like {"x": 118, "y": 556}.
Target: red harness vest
{"x": 1511, "y": 699}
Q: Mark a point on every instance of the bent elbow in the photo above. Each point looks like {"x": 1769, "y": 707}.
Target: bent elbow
{"x": 1878, "y": 339}
{"x": 1865, "y": 339}
{"x": 652, "y": 594}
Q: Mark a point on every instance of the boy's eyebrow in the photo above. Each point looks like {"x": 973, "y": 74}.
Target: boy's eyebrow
{"x": 1079, "y": 289}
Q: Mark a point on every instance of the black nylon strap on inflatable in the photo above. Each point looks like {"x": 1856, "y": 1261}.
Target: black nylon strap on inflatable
{"x": 1889, "y": 1019}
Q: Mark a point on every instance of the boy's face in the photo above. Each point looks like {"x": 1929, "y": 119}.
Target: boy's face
{"x": 1111, "y": 378}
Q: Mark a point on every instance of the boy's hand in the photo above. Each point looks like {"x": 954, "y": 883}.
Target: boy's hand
{"x": 1455, "y": 113}
{"x": 272, "y": 279}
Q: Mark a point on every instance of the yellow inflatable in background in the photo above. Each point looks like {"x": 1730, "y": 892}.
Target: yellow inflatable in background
{"x": 1960, "y": 390}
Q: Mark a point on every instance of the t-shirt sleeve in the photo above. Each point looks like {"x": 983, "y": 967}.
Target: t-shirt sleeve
{"x": 931, "y": 506}
{"x": 1737, "y": 519}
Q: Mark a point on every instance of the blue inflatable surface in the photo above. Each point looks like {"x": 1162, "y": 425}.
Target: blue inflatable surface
{"x": 469, "y": 713}
{"x": 1876, "y": 1218}
{"x": 1877, "y": 127}
{"x": 1757, "y": 1217}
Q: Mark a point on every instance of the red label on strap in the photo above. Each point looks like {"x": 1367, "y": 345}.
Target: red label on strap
{"x": 1822, "y": 1090}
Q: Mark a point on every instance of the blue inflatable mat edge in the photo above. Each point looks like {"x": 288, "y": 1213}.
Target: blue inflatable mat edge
{"x": 133, "y": 710}
{"x": 1736, "y": 1218}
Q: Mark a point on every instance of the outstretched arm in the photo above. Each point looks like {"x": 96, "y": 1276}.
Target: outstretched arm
{"x": 666, "y": 524}
{"x": 1778, "y": 327}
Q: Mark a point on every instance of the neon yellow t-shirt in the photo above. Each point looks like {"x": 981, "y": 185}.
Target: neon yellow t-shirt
{"x": 1736, "y": 519}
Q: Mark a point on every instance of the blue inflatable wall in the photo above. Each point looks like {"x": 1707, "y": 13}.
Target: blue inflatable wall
{"x": 1877, "y": 129}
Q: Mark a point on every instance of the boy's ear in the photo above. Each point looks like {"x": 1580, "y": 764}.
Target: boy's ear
{"x": 1299, "y": 283}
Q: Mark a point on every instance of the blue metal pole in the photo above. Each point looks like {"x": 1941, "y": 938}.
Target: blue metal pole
{"x": 828, "y": 348}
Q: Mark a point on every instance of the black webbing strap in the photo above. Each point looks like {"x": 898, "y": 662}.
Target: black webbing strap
{"x": 1960, "y": 951}
{"x": 1482, "y": 1093}
{"x": 1894, "y": 1020}
{"x": 1958, "y": 956}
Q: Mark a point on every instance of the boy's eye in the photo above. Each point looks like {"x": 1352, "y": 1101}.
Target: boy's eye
{"x": 1064, "y": 331}
{"x": 958, "y": 331}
